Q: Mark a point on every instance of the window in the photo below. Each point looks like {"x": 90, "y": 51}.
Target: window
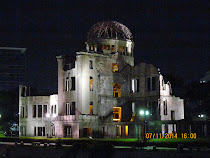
{"x": 45, "y": 110}
{"x": 34, "y": 131}
{"x": 163, "y": 85}
{"x": 107, "y": 47}
{"x": 134, "y": 85}
{"x": 116, "y": 90}
{"x": 126, "y": 131}
{"x": 91, "y": 64}
{"x": 113, "y": 49}
{"x": 91, "y": 47}
{"x": 26, "y": 114}
{"x": 102, "y": 48}
{"x": 165, "y": 107}
{"x": 91, "y": 83}
{"x": 52, "y": 109}
{"x": 151, "y": 83}
{"x": 91, "y": 108}
{"x": 159, "y": 107}
{"x": 95, "y": 48}
{"x": 55, "y": 109}
{"x": 148, "y": 84}
{"x": 72, "y": 110}
{"x": 117, "y": 113}
{"x": 133, "y": 108}
{"x": 22, "y": 112}
{"x": 39, "y": 110}
{"x": 152, "y": 107}
{"x": 172, "y": 115}
{"x": 67, "y": 109}
{"x": 115, "y": 67}
{"x": 41, "y": 131}
{"x": 72, "y": 83}
{"x": 34, "y": 111}
{"x": 67, "y": 84}
{"x": 120, "y": 49}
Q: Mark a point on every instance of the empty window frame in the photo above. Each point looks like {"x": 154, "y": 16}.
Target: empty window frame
{"x": 133, "y": 108}
{"x": 120, "y": 49}
{"x": 134, "y": 85}
{"x": 22, "y": 112}
{"x": 73, "y": 83}
{"x": 67, "y": 109}
{"x": 165, "y": 107}
{"x": 51, "y": 109}
{"x": 95, "y": 48}
{"x": 151, "y": 83}
{"x": 152, "y": 107}
{"x": 113, "y": 49}
{"x": 55, "y": 109}
{"x": 67, "y": 84}
{"x": 91, "y": 64}
{"x": 107, "y": 47}
{"x": 41, "y": 131}
{"x": 159, "y": 107}
{"x": 91, "y": 83}
{"x": 72, "y": 108}
{"x": 163, "y": 85}
{"x": 45, "y": 111}
{"x": 116, "y": 90}
{"x": 148, "y": 84}
{"x": 39, "y": 110}
{"x": 26, "y": 112}
{"x": 34, "y": 131}
{"x": 91, "y": 108}
{"x": 102, "y": 48}
{"x": 117, "y": 114}
{"x": 34, "y": 111}
{"x": 115, "y": 67}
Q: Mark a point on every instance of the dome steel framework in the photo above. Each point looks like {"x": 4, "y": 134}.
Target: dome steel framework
{"x": 110, "y": 29}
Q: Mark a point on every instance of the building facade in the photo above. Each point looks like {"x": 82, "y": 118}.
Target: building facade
{"x": 102, "y": 93}
{"x": 12, "y": 68}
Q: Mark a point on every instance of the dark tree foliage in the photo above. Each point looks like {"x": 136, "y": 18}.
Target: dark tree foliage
{"x": 8, "y": 109}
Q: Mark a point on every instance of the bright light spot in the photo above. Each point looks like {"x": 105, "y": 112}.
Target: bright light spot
{"x": 199, "y": 115}
{"x": 0, "y": 115}
{"x": 47, "y": 115}
{"x": 202, "y": 115}
{"x": 54, "y": 115}
{"x": 147, "y": 112}
{"x": 141, "y": 112}
{"x": 18, "y": 113}
{"x": 164, "y": 99}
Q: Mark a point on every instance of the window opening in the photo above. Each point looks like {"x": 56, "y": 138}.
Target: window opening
{"x": 116, "y": 90}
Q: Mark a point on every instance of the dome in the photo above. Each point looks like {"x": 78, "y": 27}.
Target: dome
{"x": 110, "y": 29}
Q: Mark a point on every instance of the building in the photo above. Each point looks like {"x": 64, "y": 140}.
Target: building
{"x": 12, "y": 68}
{"x": 102, "y": 93}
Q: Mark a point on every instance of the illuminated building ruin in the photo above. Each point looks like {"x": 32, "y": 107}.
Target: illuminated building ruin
{"x": 102, "y": 92}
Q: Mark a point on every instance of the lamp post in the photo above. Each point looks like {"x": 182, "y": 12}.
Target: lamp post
{"x": 50, "y": 116}
{"x": 144, "y": 113}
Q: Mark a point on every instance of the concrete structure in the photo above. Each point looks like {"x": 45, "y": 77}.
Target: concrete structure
{"x": 102, "y": 93}
{"x": 12, "y": 68}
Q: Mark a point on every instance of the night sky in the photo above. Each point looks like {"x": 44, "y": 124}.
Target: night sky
{"x": 172, "y": 35}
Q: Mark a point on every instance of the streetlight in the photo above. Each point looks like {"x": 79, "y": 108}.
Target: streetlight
{"x": 50, "y": 116}
{"x": 144, "y": 113}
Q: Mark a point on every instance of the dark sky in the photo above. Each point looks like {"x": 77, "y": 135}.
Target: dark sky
{"x": 172, "y": 35}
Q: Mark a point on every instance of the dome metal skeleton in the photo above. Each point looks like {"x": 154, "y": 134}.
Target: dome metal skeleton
{"x": 110, "y": 29}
